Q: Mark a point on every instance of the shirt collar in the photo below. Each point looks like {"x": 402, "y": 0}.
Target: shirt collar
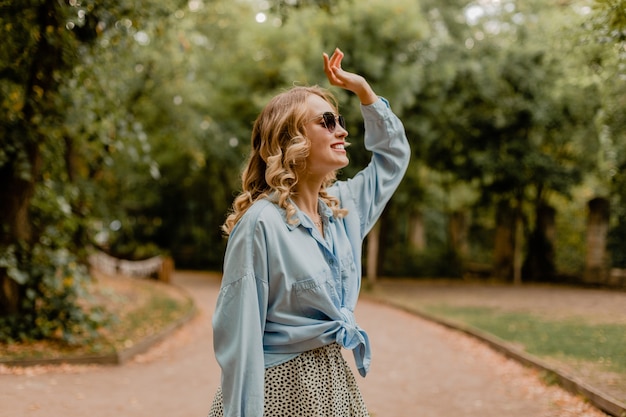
{"x": 302, "y": 219}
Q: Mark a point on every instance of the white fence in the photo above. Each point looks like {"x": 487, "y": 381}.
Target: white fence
{"x": 140, "y": 269}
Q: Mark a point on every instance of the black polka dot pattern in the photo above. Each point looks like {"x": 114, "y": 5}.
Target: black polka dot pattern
{"x": 317, "y": 383}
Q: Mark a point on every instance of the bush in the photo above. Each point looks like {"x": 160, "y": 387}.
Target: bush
{"x": 53, "y": 288}
{"x": 431, "y": 262}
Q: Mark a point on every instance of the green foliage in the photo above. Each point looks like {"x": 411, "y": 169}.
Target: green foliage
{"x": 284, "y": 8}
{"x": 44, "y": 278}
{"x": 54, "y": 282}
{"x": 124, "y": 124}
{"x": 49, "y": 164}
{"x": 220, "y": 68}
{"x": 185, "y": 106}
{"x": 499, "y": 117}
{"x": 434, "y": 261}
{"x": 609, "y": 20}
{"x": 507, "y": 106}
{"x": 604, "y": 38}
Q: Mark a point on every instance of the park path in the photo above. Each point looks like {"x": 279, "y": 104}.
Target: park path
{"x": 419, "y": 369}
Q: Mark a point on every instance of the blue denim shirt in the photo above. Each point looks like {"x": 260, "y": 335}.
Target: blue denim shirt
{"x": 287, "y": 289}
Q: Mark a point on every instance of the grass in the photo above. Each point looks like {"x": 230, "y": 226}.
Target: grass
{"x": 593, "y": 352}
{"x": 571, "y": 340}
{"x": 139, "y": 309}
{"x": 158, "y": 311}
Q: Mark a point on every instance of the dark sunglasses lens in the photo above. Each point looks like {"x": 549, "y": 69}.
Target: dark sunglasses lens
{"x": 329, "y": 121}
{"x": 342, "y": 121}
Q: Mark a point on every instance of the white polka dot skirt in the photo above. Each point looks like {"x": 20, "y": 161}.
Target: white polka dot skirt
{"x": 317, "y": 383}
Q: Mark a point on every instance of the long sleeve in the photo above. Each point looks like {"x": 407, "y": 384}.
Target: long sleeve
{"x": 371, "y": 189}
{"x": 366, "y": 195}
{"x": 239, "y": 321}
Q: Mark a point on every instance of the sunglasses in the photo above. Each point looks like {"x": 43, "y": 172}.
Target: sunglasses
{"x": 329, "y": 120}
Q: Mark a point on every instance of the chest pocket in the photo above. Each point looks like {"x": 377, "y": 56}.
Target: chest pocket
{"x": 317, "y": 297}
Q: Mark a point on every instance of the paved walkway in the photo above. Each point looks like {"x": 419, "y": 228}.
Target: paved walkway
{"x": 419, "y": 369}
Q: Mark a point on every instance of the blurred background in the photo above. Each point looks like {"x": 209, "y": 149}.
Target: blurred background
{"x": 124, "y": 125}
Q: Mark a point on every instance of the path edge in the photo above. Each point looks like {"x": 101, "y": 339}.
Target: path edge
{"x": 570, "y": 383}
{"x": 119, "y": 357}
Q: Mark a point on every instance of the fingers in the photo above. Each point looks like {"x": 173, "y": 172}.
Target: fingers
{"x": 326, "y": 63}
{"x": 331, "y": 72}
{"x": 328, "y": 70}
{"x": 347, "y": 80}
{"x": 332, "y": 67}
{"x": 335, "y": 59}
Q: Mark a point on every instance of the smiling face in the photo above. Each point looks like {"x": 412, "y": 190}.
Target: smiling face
{"x": 327, "y": 152}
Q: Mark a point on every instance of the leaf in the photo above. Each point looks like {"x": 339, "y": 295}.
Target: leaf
{"x": 18, "y": 276}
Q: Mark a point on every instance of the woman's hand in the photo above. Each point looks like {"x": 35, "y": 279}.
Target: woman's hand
{"x": 347, "y": 80}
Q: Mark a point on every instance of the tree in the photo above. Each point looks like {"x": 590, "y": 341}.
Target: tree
{"x": 208, "y": 69}
{"x": 44, "y": 165}
{"x": 498, "y": 112}
{"x": 232, "y": 65}
{"x": 33, "y": 69}
{"x": 604, "y": 37}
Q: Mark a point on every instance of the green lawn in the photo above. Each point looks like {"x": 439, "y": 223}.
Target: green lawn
{"x": 575, "y": 340}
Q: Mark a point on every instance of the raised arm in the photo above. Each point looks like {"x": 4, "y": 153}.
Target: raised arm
{"x": 347, "y": 80}
{"x": 369, "y": 191}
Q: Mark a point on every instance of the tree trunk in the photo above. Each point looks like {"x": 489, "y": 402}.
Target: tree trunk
{"x": 373, "y": 239}
{"x": 504, "y": 245}
{"x": 417, "y": 231}
{"x": 540, "y": 264}
{"x": 517, "y": 251}
{"x": 458, "y": 229}
{"x": 596, "y": 260}
{"x": 16, "y": 186}
{"x": 15, "y": 194}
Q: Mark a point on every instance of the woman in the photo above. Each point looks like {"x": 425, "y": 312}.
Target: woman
{"x": 292, "y": 267}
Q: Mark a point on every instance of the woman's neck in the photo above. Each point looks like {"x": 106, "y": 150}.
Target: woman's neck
{"x": 306, "y": 198}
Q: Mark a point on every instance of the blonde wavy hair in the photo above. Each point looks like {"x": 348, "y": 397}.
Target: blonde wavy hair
{"x": 278, "y": 155}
